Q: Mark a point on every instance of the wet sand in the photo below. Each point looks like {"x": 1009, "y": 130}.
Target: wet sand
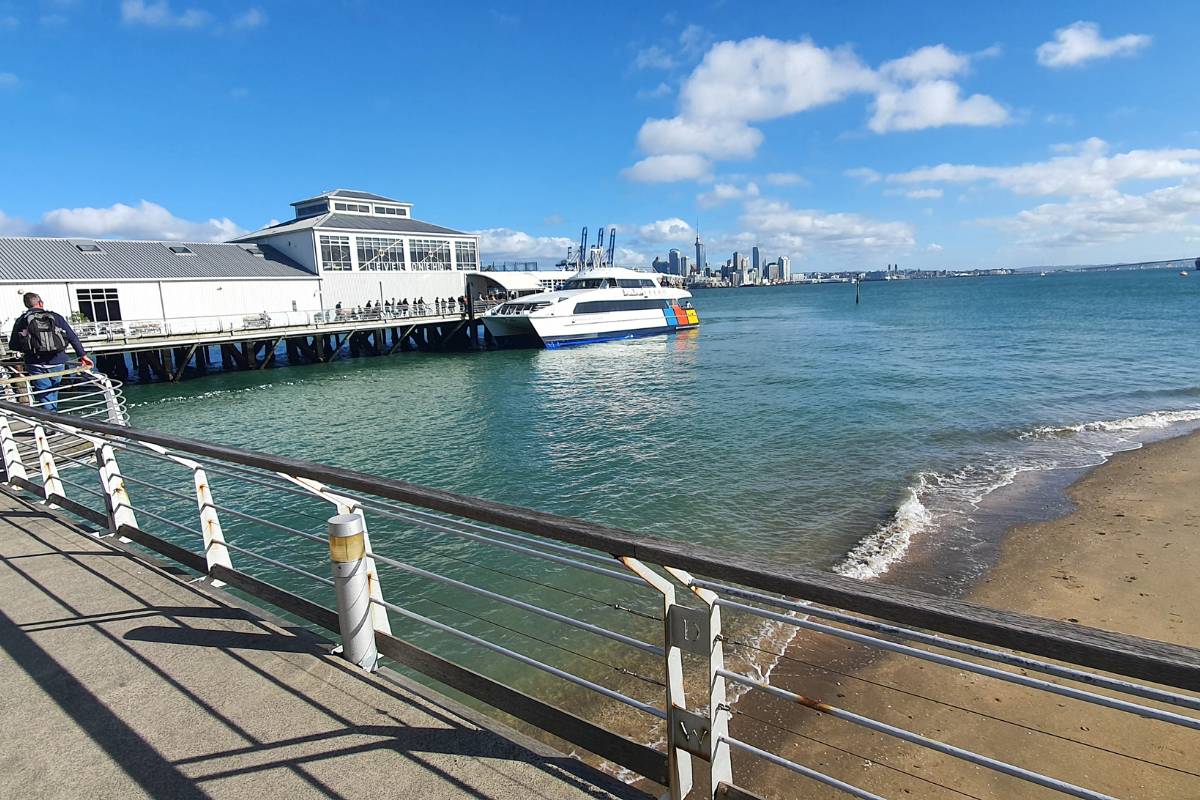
{"x": 1126, "y": 559}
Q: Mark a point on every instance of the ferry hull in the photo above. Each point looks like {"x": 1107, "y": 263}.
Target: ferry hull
{"x": 555, "y": 332}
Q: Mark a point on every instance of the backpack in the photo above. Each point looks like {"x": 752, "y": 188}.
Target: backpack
{"x": 42, "y": 334}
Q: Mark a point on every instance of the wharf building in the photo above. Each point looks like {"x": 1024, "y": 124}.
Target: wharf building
{"x": 341, "y": 250}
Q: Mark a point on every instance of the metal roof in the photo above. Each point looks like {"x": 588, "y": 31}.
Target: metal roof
{"x": 46, "y": 259}
{"x": 350, "y": 194}
{"x": 354, "y": 222}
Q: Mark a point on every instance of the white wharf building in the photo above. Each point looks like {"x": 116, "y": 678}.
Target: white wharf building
{"x": 343, "y": 246}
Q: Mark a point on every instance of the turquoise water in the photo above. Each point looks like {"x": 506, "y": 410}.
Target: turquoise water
{"x": 792, "y": 424}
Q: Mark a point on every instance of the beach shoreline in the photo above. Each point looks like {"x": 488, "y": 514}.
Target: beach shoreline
{"x": 1123, "y": 558}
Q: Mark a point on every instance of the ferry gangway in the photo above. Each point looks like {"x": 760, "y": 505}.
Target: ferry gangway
{"x": 631, "y": 643}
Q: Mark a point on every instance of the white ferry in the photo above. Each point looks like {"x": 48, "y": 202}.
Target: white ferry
{"x": 596, "y": 304}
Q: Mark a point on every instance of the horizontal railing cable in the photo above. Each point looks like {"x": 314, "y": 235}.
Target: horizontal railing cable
{"x": 280, "y": 564}
{"x": 970, "y": 666}
{"x": 1024, "y": 662}
{"x": 807, "y": 772}
{"x": 612, "y": 694}
{"x": 917, "y": 739}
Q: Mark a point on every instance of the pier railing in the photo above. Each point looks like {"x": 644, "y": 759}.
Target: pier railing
{"x": 637, "y": 639}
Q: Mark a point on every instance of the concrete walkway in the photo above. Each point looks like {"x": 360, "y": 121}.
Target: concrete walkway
{"x": 118, "y": 679}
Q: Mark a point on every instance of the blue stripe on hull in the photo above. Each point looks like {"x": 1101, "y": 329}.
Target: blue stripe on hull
{"x": 556, "y": 342}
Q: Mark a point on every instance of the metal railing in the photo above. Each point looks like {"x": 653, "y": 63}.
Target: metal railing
{"x": 631, "y": 647}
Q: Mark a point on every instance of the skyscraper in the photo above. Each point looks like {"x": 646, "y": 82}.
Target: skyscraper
{"x": 683, "y": 266}
{"x": 785, "y": 269}
{"x": 673, "y": 258}
{"x": 701, "y": 262}
{"x": 756, "y": 258}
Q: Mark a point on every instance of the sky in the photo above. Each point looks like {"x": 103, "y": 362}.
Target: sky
{"x": 848, "y": 135}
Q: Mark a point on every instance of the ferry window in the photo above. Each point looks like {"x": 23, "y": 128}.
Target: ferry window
{"x": 432, "y": 254}
{"x": 335, "y": 252}
{"x": 634, "y": 283}
{"x": 586, "y": 283}
{"x": 98, "y": 305}
{"x": 465, "y": 256}
{"x": 380, "y": 252}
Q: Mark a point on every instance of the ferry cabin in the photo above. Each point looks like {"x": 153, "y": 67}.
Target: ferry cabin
{"x": 343, "y": 246}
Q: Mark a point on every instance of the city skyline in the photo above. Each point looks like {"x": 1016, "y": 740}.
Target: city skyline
{"x": 1054, "y": 135}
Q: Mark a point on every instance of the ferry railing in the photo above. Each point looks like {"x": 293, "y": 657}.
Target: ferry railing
{"x": 645, "y": 635}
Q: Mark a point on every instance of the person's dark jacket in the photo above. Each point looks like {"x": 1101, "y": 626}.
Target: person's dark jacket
{"x": 16, "y": 340}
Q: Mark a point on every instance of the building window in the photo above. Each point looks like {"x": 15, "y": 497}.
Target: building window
{"x": 429, "y": 253}
{"x": 312, "y": 210}
{"x": 389, "y": 211}
{"x": 99, "y": 305}
{"x": 335, "y": 252}
{"x": 351, "y": 207}
{"x": 465, "y": 256}
{"x": 380, "y": 252}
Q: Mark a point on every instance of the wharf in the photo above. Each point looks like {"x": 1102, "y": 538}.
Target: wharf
{"x": 123, "y": 679}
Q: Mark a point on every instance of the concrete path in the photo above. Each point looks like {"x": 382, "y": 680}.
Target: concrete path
{"x": 118, "y": 679}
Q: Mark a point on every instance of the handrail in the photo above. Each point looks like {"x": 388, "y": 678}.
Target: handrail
{"x": 1160, "y": 662}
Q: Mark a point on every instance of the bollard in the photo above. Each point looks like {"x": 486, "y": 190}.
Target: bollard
{"x": 347, "y": 551}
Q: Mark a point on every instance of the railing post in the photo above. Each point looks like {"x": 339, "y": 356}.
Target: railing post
{"x": 347, "y": 505}
{"x": 719, "y": 766}
{"x": 120, "y": 509}
{"x": 680, "y": 722}
{"x": 51, "y": 483}
{"x": 348, "y": 554}
{"x": 113, "y": 406}
{"x": 13, "y": 466}
{"x": 215, "y": 551}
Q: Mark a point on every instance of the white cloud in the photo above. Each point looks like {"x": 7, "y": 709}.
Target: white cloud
{"x": 786, "y": 179}
{"x": 758, "y": 79}
{"x": 553, "y": 219}
{"x": 713, "y": 138}
{"x": 933, "y": 104}
{"x": 782, "y": 227}
{"x": 1059, "y": 119}
{"x": 668, "y": 168}
{"x": 158, "y": 14}
{"x": 506, "y": 244}
{"x": 662, "y": 90}
{"x": 8, "y": 80}
{"x": 934, "y": 247}
{"x": 923, "y": 194}
{"x": 694, "y": 39}
{"x": 653, "y": 57}
{"x": 666, "y": 230}
{"x": 1086, "y": 169}
{"x": 1109, "y": 218}
{"x": 146, "y": 220}
{"x": 864, "y": 174}
{"x": 724, "y": 192}
{"x": 12, "y": 226}
{"x": 1081, "y": 42}
{"x": 927, "y": 63}
{"x": 249, "y": 19}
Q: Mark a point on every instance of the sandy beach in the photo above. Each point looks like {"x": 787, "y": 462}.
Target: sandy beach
{"x": 1126, "y": 560}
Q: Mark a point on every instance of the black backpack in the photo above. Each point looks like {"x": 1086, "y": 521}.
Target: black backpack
{"x": 42, "y": 334}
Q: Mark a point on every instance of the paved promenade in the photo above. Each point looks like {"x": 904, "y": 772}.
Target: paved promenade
{"x": 119, "y": 679}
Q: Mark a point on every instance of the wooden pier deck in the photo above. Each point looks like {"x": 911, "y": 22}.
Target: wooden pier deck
{"x": 122, "y": 679}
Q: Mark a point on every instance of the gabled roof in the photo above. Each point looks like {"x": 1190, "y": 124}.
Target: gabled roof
{"x": 54, "y": 259}
{"x": 349, "y": 194}
{"x": 350, "y": 222}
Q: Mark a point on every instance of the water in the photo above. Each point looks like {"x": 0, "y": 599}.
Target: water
{"x": 895, "y": 438}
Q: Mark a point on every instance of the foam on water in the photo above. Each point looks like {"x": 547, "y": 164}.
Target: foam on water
{"x": 935, "y": 499}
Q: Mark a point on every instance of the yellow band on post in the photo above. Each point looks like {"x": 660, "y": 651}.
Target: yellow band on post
{"x": 344, "y": 549}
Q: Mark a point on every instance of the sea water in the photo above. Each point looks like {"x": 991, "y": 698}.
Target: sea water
{"x": 893, "y": 439}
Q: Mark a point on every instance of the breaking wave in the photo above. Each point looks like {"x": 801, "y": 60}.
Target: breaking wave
{"x": 936, "y": 499}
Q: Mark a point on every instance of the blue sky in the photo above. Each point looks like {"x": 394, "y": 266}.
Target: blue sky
{"x": 843, "y": 135}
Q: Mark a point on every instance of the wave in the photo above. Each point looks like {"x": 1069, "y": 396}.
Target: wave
{"x": 191, "y": 398}
{"x": 936, "y": 498}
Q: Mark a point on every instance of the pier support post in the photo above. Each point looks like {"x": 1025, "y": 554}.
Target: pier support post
{"x": 347, "y": 552}
{"x": 13, "y": 466}
{"x": 51, "y": 483}
{"x": 119, "y": 507}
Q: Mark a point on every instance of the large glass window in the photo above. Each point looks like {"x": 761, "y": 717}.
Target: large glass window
{"x": 98, "y": 305}
{"x": 380, "y": 252}
{"x": 351, "y": 207}
{"x": 429, "y": 253}
{"x": 465, "y": 256}
{"x": 335, "y": 252}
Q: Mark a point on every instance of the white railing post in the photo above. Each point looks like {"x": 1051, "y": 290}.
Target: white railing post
{"x": 681, "y": 727}
{"x": 51, "y": 483}
{"x": 120, "y": 509}
{"x": 215, "y": 551}
{"x": 719, "y": 712}
{"x": 348, "y": 555}
{"x": 115, "y": 414}
{"x": 13, "y": 466}
{"x": 348, "y": 505}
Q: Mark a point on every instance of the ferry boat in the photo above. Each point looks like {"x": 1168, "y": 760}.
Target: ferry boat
{"x": 596, "y": 304}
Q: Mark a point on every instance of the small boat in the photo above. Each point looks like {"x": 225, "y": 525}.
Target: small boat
{"x": 1043, "y": 274}
{"x": 1183, "y": 274}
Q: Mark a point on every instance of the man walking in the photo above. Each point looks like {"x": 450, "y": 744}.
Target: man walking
{"x": 43, "y": 336}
